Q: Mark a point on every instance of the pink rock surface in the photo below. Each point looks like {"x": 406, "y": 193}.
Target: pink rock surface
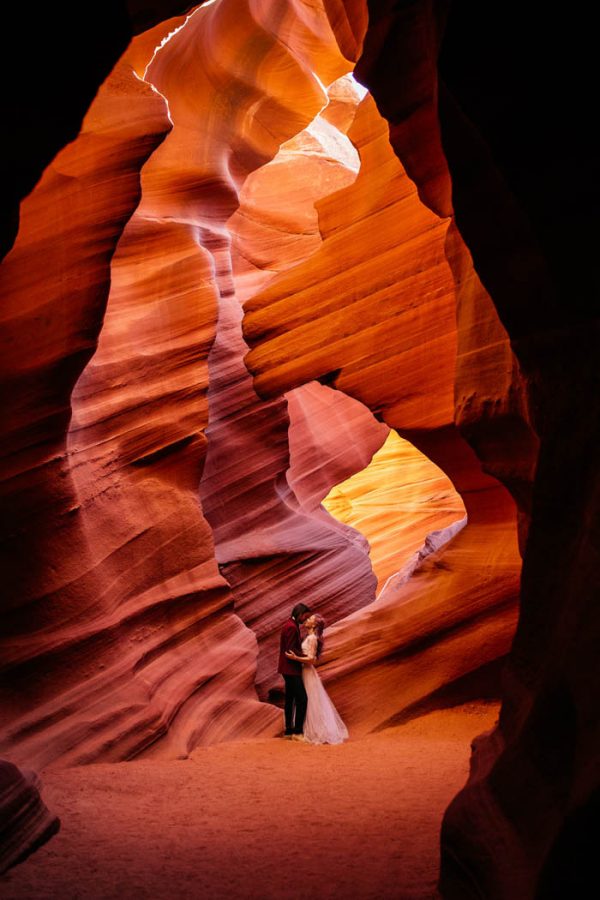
{"x": 105, "y": 582}
{"x": 372, "y": 312}
{"x": 346, "y": 282}
{"x": 274, "y": 543}
{"x": 55, "y": 285}
{"x": 131, "y": 615}
{"x": 124, "y": 609}
{"x": 331, "y": 437}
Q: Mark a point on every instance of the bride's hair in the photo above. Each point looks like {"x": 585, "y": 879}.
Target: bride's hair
{"x": 319, "y": 629}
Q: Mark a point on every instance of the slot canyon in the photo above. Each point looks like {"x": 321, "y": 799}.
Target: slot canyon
{"x": 299, "y": 303}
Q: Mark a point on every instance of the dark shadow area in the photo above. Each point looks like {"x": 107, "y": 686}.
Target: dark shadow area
{"x": 482, "y": 684}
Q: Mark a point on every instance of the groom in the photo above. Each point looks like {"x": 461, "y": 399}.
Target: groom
{"x": 295, "y": 695}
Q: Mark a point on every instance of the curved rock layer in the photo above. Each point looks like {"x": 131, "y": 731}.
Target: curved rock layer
{"x": 124, "y": 606}
{"x": 497, "y": 154}
{"x": 273, "y": 550}
{"x": 277, "y": 545}
{"x": 396, "y": 501}
{"x": 362, "y": 334}
{"x": 530, "y": 236}
{"x": 120, "y": 629}
{"x": 55, "y": 284}
{"x": 132, "y": 620}
{"x": 331, "y": 436}
{"x": 26, "y": 823}
{"x": 270, "y": 463}
{"x": 397, "y": 58}
{"x": 373, "y": 313}
{"x": 277, "y": 224}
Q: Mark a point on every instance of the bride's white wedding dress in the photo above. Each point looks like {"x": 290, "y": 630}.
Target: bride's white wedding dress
{"x": 323, "y": 724}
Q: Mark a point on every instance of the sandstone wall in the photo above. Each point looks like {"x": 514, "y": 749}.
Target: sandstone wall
{"x": 483, "y": 358}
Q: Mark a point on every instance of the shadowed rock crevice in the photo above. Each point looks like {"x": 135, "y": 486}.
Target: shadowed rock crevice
{"x": 26, "y": 823}
{"x": 528, "y": 235}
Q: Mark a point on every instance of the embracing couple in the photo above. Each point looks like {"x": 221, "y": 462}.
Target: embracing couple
{"x": 310, "y": 715}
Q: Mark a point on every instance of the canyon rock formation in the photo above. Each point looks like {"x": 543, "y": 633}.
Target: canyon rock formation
{"x": 372, "y": 313}
{"x": 396, "y": 501}
{"x": 497, "y": 108}
{"x": 240, "y": 281}
{"x": 26, "y": 823}
{"x": 41, "y": 126}
{"x": 116, "y": 580}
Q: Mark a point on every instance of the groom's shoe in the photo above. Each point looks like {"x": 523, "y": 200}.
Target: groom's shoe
{"x": 299, "y": 737}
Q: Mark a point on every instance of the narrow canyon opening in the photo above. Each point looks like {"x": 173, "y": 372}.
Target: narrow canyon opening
{"x": 269, "y": 337}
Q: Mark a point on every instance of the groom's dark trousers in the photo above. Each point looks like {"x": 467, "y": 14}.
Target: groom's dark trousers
{"x": 295, "y": 699}
{"x": 295, "y": 695}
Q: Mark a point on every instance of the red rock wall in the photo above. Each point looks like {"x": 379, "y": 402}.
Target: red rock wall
{"x": 26, "y": 822}
{"x": 270, "y": 463}
{"x": 135, "y": 597}
{"x": 116, "y": 605}
{"x": 533, "y": 788}
{"x": 102, "y": 581}
{"x": 373, "y": 313}
{"x": 396, "y": 502}
{"x": 55, "y": 285}
{"x": 112, "y": 584}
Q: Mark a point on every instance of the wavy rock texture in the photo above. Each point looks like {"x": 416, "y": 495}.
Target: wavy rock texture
{"x": 398, "y": 60}
{"x": 533, "y": 425}
{"x": 396, "y": 501}
{"x": 133, "y": 622}
{"x": 373, "y": 313}
{"x": 532, "y": 239}
{"x": 450, "y": 613}
{"x": 272, "y": 550}
{"x": 274, "y": 543}
{"x": 291, "y": 346}
{"x": 136, "y": 595}
{"x": 55, "y": 285}
{"x": 331, "y": 436}
{"x": 277, "y": 225}
{"x": 26, "y": 822}
{"x": 40, "y": 125}
{"x": 269, "y": 551}
{"x": 123, "y": 606}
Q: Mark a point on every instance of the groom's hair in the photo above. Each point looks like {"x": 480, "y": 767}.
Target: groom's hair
{"x": 299, "y": 609}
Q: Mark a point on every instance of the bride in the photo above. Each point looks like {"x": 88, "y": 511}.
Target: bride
{"x": 323, "y": 724}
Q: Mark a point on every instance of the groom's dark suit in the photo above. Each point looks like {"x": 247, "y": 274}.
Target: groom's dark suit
{"x": 295, "y": 694}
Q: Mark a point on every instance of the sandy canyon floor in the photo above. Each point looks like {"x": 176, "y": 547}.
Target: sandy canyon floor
{"x": 261, "y": 819}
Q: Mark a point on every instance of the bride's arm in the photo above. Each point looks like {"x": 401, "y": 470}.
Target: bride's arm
{"x": 303, "y": 659}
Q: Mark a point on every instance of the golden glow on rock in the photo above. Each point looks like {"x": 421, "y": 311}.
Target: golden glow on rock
{"x": 399, "y": 499}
